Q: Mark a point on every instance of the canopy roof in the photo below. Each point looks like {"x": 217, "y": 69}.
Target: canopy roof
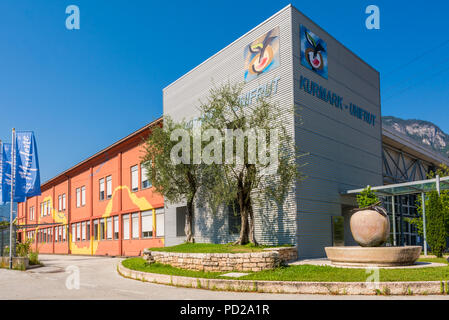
{"x": 409, "y": 187}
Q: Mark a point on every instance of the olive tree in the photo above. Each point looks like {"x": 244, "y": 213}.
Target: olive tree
{"x": 240, "y": 169}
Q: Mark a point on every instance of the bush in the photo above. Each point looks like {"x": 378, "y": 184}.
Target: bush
{"x": 34, "y": 257}
{"x": 367, "y": 198}
{"x": 24, "y": 248}
{"x": 6, "y": 251}
{"x": 436, "y": 231}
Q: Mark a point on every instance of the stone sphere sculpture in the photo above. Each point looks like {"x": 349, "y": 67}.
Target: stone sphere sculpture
{"x": 370, "y": 226}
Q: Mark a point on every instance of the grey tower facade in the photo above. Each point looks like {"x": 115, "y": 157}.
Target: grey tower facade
{"x": 292, "y": 61}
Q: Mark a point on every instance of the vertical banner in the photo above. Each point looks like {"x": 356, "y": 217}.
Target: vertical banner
{"x": 1, "y": 175}
{"x": 27, "y": 176}
{"x": 6, "y": 172}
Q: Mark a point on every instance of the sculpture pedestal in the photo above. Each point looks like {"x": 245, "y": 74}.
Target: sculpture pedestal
{"x": 373, "y": 256}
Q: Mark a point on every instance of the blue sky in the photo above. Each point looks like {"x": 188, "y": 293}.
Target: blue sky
{"x": 82, "y": 90}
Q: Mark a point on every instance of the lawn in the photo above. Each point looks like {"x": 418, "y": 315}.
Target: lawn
{"x": 212, "y": 248}
{"x": 306, "y": 272}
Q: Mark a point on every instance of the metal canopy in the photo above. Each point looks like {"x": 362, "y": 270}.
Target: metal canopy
{"x": 414, "y": 187}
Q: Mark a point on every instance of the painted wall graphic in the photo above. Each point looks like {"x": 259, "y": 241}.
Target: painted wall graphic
{"x": 313, "y": 52}
{"x": 262, "y": 55}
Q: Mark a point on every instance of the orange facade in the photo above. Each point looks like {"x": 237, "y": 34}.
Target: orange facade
{"x": 105, "y": 205}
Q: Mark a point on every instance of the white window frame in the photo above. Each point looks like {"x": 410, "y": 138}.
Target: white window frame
{"x": 108, "y": 187}
{"x": 160, "y": 221}
{"x": 78, "y": 197}
{"x": 135, "y": 228}
{"x": 109, "y": 228}
{"x": 83, "y": 231}
{"x": 63, "y": 202}
{"x": 146, "y": 220}
{"x": 135, "y": 178}
{"x": 102, "y": 190}
{"x": 126, "y": 220}
{"x": 83, "y": 196}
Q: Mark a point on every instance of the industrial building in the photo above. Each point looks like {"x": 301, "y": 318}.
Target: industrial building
{"x": 106, "y": 204}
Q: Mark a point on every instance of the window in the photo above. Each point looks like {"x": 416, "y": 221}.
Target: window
{"x": 60, "y": 203}
{"x": 31, "y": 213}
{"x": 78, "y": 197}
{"x": 135, "y": 178}
{"x": 102, "y": 189}
{"x": 42, "y": 209}
{"x": 63, "y": 202}
{"x": 108, "y": 187}
{"x": 102, "y": 234}
{"x": 83, "y": 231}
{"x": 64, "y": 232}
{"x": 125, "y": 224}
{"x": 45, "y": 208}
{"x": 160, "y": 222}
{"x": 88, "y": 230}
{"x": 109, "y": 228}
{"x": 181, "y": 221}
{"x": 116, "y": 228}
{"x": 56, "y": 233}
{"x": 144, "y": 177}
{"x": 73, "y": 232}
{"x": 135, "y": 225}
{"x": 234, "y": 218}
{"x": 95, "y": 230}
{"x": 83, "y": 195}
{"x": 147, "y": 224}
{"x": 78, "y": 231}
{"x": 60, "y": 233}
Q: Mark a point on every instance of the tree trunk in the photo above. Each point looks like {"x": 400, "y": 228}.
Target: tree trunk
{"x": 252, "y": 236}
{"x": 247, "y": 220}
{"x": 189, "y": 220}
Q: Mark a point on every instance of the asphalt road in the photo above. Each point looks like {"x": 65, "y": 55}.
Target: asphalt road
{"x": 98, "y": 279}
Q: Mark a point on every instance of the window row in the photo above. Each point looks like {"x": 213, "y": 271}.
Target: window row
{"x": 61, "y": 202}
{"x": 45, "y": 208}
{"x": 58, "y": 234}
{"x": 81, "y": 196}
{"x": 134, "y": 226}
{"x": 145, "y": 178}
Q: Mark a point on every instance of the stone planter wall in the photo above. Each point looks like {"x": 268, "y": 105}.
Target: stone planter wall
{"x": 221, "y": 262}
{"x": 17, "y": 262}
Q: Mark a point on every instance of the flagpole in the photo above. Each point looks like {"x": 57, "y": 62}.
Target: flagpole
{"x": 12, "y": 196}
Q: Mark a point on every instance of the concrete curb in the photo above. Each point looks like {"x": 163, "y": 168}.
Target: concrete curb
{"x": 299, "y": 287}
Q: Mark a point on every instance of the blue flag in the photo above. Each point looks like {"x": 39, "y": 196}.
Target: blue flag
{"x": 1, "y": 175}
{"x": 27, "y": 176}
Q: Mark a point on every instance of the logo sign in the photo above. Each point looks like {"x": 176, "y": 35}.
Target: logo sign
{"x": 313, "y": 52}
{"x": 262, "y": 55}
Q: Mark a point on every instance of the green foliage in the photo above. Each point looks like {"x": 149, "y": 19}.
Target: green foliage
{"x": 300, "y": 273}
{"x": 367, "y": 198}
{"x": 442, "y": 171}
{"x": 23, "y": 248}
{"x": 436, "y": 231}
{"x": 236, "y": 181}
{"x": 176, "y": 182}
{"x": 34, "y": 257}
{"x": 6, "y": 251}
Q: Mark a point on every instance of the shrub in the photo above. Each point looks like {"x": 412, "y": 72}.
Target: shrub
{"x": 367, "y": 198}
{"x": 6, "y": 251}
{"x": 24, "y": 248}
{"x": 34, "y": 257}
{"x": 436, "y": 233}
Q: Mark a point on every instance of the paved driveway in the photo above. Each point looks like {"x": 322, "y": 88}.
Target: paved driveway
{"x": 99, "y": 280}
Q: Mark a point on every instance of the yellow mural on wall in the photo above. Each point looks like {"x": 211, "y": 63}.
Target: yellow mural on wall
{"x": 60, "y": 217}
{"x": 141, "y": 202}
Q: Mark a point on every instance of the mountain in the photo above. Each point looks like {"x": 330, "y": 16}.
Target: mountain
{"x": 425, "y": 132}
